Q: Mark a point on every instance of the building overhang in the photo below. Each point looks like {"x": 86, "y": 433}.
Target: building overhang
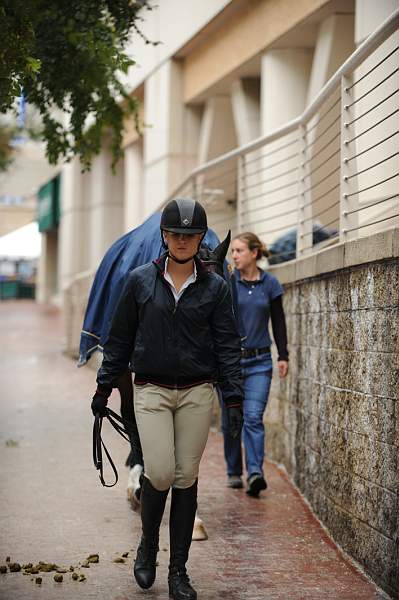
{"x": 232, "y": 44}
{"x": 28, "y": 172}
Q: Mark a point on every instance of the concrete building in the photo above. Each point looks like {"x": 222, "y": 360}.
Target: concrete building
{"x": 225, "y": 74}
{"x": 305, "y": 142}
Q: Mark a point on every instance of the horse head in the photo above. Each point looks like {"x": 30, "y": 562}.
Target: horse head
{"x": 214, "y": 259}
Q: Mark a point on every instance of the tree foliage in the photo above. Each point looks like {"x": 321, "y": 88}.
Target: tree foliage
{"x": 66, "y": 56}
{"x": 6, "y": 135}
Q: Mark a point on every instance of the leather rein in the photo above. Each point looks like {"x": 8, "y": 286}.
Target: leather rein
{"x": 123, "y": 427}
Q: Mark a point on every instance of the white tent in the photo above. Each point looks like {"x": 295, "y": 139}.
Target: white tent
{"x": 24, "y": 242}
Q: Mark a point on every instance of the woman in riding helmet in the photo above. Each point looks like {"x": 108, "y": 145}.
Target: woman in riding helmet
{"x": 174, "y": 323}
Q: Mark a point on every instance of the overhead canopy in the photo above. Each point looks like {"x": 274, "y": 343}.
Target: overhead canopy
{"x": 49, "y": 205}
{"x": 24, "y": 242}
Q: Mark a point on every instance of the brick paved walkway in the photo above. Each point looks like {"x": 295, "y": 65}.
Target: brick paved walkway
{"x": 53, "y": 508}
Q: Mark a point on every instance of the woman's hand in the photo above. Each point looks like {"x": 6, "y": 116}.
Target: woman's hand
{"x": 100, "y": 400}
{"x": 282, "y": 368}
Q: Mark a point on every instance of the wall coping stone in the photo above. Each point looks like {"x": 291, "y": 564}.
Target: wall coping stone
{"x": 379, "y": 246}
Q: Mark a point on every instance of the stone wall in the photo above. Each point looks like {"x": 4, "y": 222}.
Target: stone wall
{"x": 334, "y": 423}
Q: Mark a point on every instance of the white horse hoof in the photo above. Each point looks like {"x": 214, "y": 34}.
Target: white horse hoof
{"x": 133, "y": 487}
{"x": 199, "y": 531}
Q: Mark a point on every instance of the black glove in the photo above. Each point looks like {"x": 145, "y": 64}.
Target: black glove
{"x": 100, "y": 400}
{"x": 234, "y": 417}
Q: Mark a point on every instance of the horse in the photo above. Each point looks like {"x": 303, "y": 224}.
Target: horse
{"x": 135, "y": 248}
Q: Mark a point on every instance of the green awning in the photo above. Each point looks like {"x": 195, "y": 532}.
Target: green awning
{"x": 49, "y": 205}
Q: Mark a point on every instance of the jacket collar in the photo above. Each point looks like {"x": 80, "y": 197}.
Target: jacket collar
{"x": 201, "y": 270}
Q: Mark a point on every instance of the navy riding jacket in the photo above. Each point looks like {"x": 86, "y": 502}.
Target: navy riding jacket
{"x": 136, "y": 248}
{"x": 173, "y": 344}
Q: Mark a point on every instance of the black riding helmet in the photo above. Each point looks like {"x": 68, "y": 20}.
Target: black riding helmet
{"x": 183, "y": 215}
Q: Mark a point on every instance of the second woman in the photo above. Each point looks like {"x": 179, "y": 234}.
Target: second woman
{"x": 259, "y": 298}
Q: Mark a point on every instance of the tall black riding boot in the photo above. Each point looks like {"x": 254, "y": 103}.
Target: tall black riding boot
{"x": 152, "y": 509}
{"x": 181, "y": 523}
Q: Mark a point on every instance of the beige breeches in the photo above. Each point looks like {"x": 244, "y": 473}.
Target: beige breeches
{"x": 173, "y": 426}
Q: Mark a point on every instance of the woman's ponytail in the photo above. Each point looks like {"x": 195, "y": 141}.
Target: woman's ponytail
{"x": 254, "y": 243}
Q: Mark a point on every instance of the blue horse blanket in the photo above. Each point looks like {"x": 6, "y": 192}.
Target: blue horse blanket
{"x": 135, "y": 248}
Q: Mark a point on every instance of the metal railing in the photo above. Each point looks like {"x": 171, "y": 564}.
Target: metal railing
{"x": 333, "y": 172}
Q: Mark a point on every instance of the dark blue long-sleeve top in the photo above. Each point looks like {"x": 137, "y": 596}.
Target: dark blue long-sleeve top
{"x": 258, "y": 301}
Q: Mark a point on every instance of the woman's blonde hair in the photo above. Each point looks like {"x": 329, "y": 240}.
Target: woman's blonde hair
{"x": 253, "y": 243}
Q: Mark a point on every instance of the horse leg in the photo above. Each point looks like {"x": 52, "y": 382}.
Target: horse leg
{"x": 135, "y": 459}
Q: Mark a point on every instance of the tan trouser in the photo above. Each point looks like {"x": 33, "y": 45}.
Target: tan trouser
{"x": 173, "y": 427}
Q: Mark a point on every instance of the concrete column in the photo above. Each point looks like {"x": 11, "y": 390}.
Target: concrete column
{"x": 73, "y": 250}
{"x": 133, "y": 173}
{"x": 192, "y": 118}
{"x": 41, "y": 277}
{"x": 47, "y": 280}
{"x": 104, "y": 200}
{"x": 47, "y": 285}
{"x": 217, "y": 129}
{"x": 73, "y": 232}
{"x": 369, "y": 15}
{"x": 245, "y": 100}
{"x": 335, "y": 43}
{"x": 217, "y": 189}
{"x": 284, "y": 84}
{"x": 170, "y": 135}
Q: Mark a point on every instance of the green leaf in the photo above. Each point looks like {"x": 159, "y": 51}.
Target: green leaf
{"x": 69, "y": 55}
{"x": 33, "y": 64}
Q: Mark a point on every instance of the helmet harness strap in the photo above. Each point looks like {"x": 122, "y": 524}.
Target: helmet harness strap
{"x": 178, "y": 260}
